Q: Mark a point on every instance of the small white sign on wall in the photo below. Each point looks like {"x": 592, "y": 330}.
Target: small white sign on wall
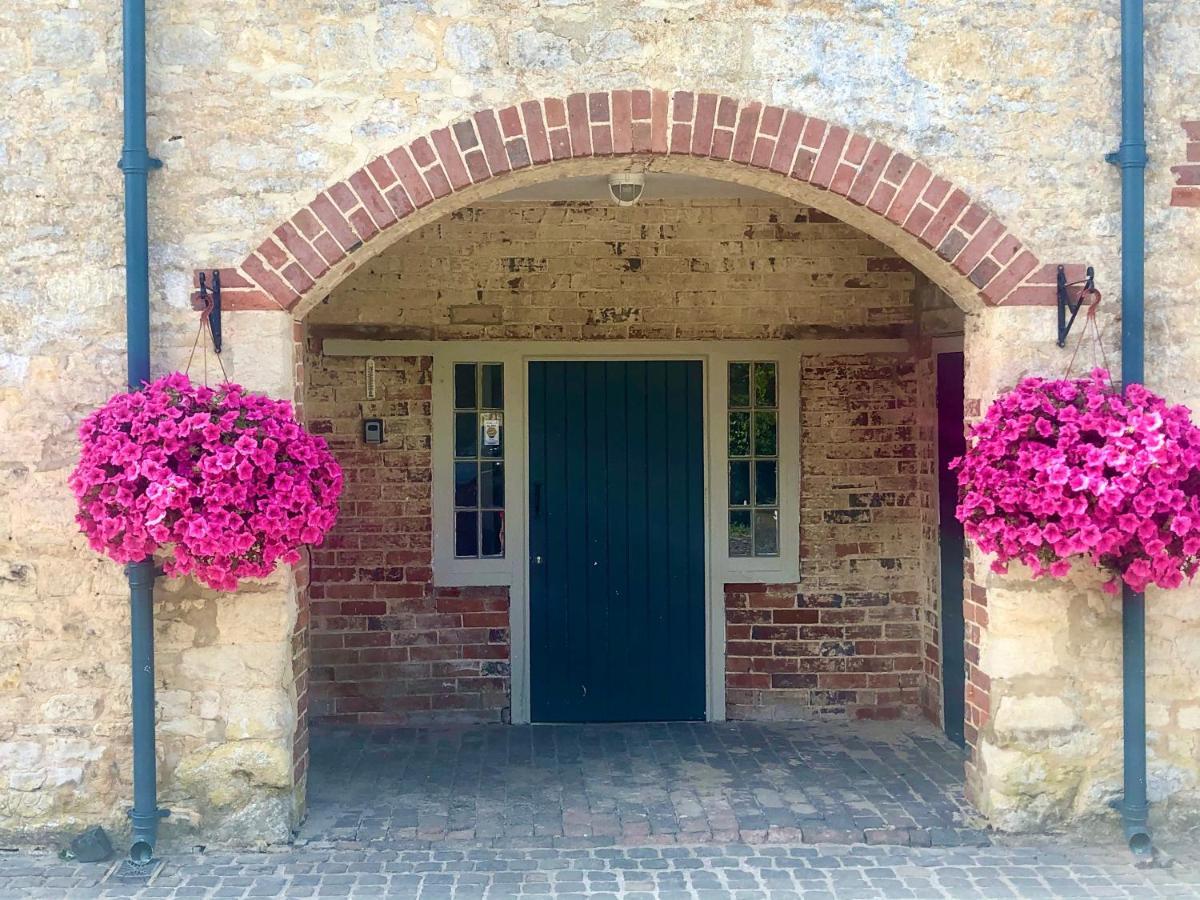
{"x": 370, "y": 378}
{"x": 491, "y": 422}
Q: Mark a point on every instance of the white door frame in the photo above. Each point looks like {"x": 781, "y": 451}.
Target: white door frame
{"x": 513, "y": 570}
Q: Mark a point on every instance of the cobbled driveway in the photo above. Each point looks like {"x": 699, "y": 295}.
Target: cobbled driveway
{"x": 834, "y": 811}
{"x": 821, "y": 872}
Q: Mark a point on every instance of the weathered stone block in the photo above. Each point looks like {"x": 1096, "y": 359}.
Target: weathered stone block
{"x": 1034, "y": 713}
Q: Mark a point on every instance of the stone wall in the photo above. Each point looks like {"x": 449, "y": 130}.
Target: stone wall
{"x": 724, "y": 268}
{"x": 257, "y": 111}
{"x": 226, "y": 674}
{"x": 1044, "y": 657}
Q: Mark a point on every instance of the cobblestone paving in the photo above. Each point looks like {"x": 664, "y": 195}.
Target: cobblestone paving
{"x": 821, "y": 812}
{"x": 823, "y": 872}
{"x": 686, "y": 783}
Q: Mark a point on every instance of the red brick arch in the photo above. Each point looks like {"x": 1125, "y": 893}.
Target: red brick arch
{"x": 899, "y": 199}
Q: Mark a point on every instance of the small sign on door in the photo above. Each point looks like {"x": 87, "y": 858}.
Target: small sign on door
{"x": 491, "y": 423}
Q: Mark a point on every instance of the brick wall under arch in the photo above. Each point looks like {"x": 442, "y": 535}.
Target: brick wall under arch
{"x": 939, "y": 227}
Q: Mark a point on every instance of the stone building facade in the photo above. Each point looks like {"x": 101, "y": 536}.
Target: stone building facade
{"x": 392, "y": 182}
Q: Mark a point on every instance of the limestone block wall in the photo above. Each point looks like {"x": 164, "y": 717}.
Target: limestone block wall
{"x": 227, "y": 694}
{"x": 254, "y": 112}
{"x": 1044, "y": 657}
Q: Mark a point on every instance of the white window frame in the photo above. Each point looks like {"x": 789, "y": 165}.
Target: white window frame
{"x": 766, "y": 569}
{"x": 450, "y": 570}
{"x": 512, "y": 570}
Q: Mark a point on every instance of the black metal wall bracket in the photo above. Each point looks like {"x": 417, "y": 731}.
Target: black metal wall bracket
{"x": 211, "y": 304}
{"x": 1065, "y": 303}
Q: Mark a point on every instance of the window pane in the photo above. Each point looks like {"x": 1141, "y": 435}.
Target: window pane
{"x": 765, "y": 439}
{"x": 492, "y": 523}
{"x": 464, "y": 385}
{"x": 739, "y": 434}
{"x": 764, "y": 384}
{"x": 465, "y": 437}
{"x": 491, "y": 484}
{"x": 491, "y": 386}
{"x": 766, "y": 482}
{"x": 739, "y": 385}
{"x": 739, "y": 532}
{"x": 466, "y": 534}
{"x": 466, "y": 484}
{"x": 766, "y": 532}
{"x": 739, "y": 483}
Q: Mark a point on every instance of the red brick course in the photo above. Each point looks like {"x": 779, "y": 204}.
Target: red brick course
{"x": 978, "y": 711}
{"x": 790, "y": 654}
{"x": 851, "y": 638}
{"x": 389, "y": 647}
{"x": 867, "y": 173}
{"x": 1187, "y": 176}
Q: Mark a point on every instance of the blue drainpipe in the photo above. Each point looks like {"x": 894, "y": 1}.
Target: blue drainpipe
{"x": 135, "y": 163}
{"x": 1131, "y": 158}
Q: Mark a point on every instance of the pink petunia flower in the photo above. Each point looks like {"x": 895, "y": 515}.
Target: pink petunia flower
{"x": 188, "y": 473}
{"x": 1056, "y": 469}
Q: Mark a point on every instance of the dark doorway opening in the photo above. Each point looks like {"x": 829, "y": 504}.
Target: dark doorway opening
{"x": 951, "y": 443}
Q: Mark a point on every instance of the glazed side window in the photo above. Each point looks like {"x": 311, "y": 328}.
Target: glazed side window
{"x": 753, "y": 459}
{"x": 479, "y": 460}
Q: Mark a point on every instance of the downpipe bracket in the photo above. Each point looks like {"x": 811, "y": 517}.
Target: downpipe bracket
{"x": 147, "y": 818}
{"x": 134, "y": 162}
{"x": 1128, "y": 156}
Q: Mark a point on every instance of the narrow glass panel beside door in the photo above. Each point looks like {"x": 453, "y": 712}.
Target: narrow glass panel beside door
{"x": 753, "y": 446}
{"x": 478, "y": 460}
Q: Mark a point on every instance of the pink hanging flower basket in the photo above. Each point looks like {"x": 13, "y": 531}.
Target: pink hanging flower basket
{"x": 222, "y": 483}
{"x": 1072, "y": 468}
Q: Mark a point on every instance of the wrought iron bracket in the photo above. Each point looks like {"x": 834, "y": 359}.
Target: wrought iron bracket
{"x": 1065, "y": 304}
{"x": 211, "y": 304}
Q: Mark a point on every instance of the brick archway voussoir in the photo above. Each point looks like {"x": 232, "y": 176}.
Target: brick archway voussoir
{"x": 317, "y": 246}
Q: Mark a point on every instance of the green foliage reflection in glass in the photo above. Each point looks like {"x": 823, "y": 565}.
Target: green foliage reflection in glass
{"x": 478, "y": 460}
{"x": 753, "y": 459}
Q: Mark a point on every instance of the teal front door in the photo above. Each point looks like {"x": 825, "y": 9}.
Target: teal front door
{"x": 616, "y": 550}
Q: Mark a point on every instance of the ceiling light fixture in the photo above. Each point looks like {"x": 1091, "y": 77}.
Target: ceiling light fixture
{"x": 626, "y": 188}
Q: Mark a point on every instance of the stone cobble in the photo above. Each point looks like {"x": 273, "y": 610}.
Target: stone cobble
{"x": 827, "y": 811}
{"x": 640, "y": 785}
{"x": 821, "y": 872}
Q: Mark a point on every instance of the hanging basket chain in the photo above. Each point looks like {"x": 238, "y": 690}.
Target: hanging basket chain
{"x": 1090, "y": 327}
{"x": 205, "y": 330}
